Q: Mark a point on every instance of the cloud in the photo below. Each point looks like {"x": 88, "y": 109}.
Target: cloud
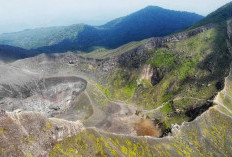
{"x": 21, "y": 14}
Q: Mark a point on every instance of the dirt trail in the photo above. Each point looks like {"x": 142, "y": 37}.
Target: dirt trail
{"x": 97, "y": 116}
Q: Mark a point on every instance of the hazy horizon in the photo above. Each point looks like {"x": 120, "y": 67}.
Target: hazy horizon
{"x": 30, "y": 14}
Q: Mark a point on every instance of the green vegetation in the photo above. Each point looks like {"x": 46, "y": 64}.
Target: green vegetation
{"x": 186, "y": 69}
{"x": 2, "y": 130}
{"x": 145, "y": 83}
{"x": 29, "y": 155}
{"x": 123, "y": 90}
{"x": 175, "y": 119}
{"x": 100, "y": 53}
{"x": 47, "y": 127}
{"x": 122, "y": 84}
{"x": 28, "y": 139}
{"x": 2, "y": 151}
{"x": 162, "y": 59}
{"x": 104, "y": 90}
{"x": 167, "y": 108}
{"x": 88, "y": 143}
{"x": 84, "y": 144}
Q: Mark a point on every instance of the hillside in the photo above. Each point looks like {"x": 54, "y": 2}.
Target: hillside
{"x": 148, "y": 22}
{"x": 222, "y": 14}
{"x": 10, "y": 53}
{"x": 162, "y": 96}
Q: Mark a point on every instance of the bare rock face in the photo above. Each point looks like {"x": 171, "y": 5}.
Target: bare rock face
{"x": 152, "y": 75}
{"x": 146, "y": 73}
{"x": 157, "y": 76}
{"x": 32, "y": 133}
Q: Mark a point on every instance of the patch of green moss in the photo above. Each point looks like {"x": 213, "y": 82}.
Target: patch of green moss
{"x": 176, "y": 119}
{"x": 155, "y": 96}
{"x": 90, "y": 143}
{"x": 49, "y": 125}
{"x": 3, "y": 151}
{"x": 31, "y": 138}
{"x": 29, "y": 155}
{"x": 132, "y": 148}
{"x": 2, "y": 130}
{"x": 104, "y": 90}
{"x": 146, "y": 83}
{"x": 162, "y": 58}
{"x": 186, "y": 69}
{"x": 84, "y": 144}
{"x": 186, "y": 102}
{"x": 27, "y": 139}
{"x": 167, "y": 108}
{"x": 123, "y": 84}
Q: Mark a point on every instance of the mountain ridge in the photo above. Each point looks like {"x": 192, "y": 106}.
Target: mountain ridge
{"x": 221, "y": 14}
{"x": 148, "y": 22}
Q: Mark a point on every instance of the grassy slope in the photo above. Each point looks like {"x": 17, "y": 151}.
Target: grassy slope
{"x": 101, "y": 52}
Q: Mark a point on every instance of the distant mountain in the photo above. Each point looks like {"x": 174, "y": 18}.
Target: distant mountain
{"x": 10, "y": 53}
{"x": 149, "y": 22}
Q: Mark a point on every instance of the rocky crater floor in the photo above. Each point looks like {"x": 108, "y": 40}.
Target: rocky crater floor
{"x": 51, "y": 96}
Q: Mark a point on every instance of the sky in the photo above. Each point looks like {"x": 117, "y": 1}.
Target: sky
{"x": 16, "y": 15}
